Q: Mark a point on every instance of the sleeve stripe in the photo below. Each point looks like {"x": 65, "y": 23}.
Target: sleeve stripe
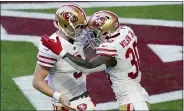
{"x": 45, "y": 62}
{"x": 47, "y": 58}
{"x": 75, "y": 53}
{"x": 104, "y": 54}
{"x": 103, "y": 49}
{"x": 47, "y": 65}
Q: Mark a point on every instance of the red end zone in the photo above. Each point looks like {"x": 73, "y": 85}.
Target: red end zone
{"x": 157, "y": 76}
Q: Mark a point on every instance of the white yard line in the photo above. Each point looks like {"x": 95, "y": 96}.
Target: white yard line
{"x": 162, "y": 51}
{"x": 153, "y": 22}
{"x": 43, "y": 102}
{"x": 164, "y": 97}
{"x": 82, "y": 4}
{"x": 26, "y": 38}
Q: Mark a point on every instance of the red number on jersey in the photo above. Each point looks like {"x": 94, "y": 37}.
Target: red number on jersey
{"x": 76, "y": 74}
{"x": 134, "y": 62}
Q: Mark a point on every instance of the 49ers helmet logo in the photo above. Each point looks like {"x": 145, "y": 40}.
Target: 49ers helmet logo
{"x": 70, "y": 16}
{"x": 116, "y": 23}
{"x": 82, "y": 107}
{"x": 99, "y": 21}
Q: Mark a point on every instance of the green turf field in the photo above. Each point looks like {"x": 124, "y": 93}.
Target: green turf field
{"x": 165, "y": 12}
{"x": 19, "y": 58}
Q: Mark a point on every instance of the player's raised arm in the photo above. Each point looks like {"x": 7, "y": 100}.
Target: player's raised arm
{"x": 96, "y": 64}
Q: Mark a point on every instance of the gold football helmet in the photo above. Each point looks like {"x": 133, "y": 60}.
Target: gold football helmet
{"x": 70, "y": 19}
{"x": 103, "y": 24}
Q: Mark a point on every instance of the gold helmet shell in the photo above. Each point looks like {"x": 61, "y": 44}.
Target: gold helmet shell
{"x": 69, "y": 18}
{"x": 105, "y": 22}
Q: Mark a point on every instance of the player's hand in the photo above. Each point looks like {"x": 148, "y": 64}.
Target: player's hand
{"x": 65, "y": 103}
{"x": 54, "y": 46}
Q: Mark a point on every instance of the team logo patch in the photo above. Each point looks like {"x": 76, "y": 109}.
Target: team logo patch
{"x": 116, "y": 23}
{"x": 99, "y": 21}
{"x": 70, "y": 16}
{"x": 82, "y": 107}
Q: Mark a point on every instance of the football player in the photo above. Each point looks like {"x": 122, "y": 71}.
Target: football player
{"x": 117, "y": 55}
{"x": 66, "y": 85}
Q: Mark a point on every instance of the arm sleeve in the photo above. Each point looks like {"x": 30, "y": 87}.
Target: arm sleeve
{"x": 94, "y": 65}
{"x": 46, "y": 57}
{"x": 105, "y": 59}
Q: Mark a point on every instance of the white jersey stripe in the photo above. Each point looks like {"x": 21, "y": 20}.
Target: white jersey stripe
{"x": 44, "y": 64}
{"x": 47, "y": 61}
{"x": 47, "y": 58}
{"x": 105, "y": 49}
{"x": 105, "y": 54}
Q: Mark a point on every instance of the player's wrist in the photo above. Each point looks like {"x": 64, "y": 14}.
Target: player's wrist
{"x": 56, "y": 96}
{"x": 62, "y": 53}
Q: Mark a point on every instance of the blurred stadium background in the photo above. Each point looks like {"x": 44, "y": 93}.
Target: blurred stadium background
{"x": 158, "y": 26}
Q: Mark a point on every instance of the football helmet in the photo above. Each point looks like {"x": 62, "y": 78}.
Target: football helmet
{"x": 71, "y": 19}
{"x": 103, "y": 24}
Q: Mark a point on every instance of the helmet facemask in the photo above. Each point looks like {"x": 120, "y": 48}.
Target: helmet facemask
{"x": 95, "y": 38}
{"x": 103, "y": 24}
{"x": 82, "y": 38}
{"x": 71, "y": 20}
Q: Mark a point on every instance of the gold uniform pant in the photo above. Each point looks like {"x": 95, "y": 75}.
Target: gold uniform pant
{"x": 137, "y": 106}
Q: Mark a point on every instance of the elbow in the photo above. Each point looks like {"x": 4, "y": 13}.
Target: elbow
{"x": 35, "y": 83}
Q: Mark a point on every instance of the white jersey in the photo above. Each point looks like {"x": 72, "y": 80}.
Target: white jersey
{"x": 62, "y": 76}
{"x": 126, "y": 75}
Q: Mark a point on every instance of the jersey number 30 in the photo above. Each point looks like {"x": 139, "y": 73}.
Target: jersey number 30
{"x": 135, "y": 60}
